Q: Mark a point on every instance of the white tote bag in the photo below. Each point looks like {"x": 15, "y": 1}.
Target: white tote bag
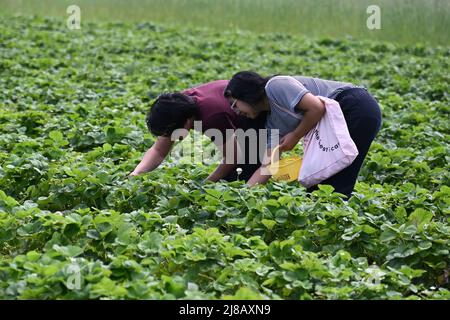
{"x": 328, "y": 148}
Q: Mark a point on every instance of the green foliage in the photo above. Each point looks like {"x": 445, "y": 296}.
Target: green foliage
{"x": 404, "y": 21}
{"x": 72, "y": 128}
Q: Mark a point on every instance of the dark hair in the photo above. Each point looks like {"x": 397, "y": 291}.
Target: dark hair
{"x": 247, "y": 86}
{"x": 170, "y": 112}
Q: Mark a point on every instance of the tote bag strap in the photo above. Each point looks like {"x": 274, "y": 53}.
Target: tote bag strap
{"x": 289, "y": 112}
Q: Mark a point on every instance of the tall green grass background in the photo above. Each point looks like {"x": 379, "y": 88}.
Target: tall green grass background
{"x": 403, "y": 21}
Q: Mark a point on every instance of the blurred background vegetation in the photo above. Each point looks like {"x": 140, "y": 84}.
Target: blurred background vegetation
{"x": 402, "y": 21}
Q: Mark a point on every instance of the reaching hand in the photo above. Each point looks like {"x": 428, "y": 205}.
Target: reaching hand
{"x": 289, "y": 141}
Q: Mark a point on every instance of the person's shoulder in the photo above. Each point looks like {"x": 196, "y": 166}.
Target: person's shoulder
{"x": 277, "y": 81}
{"x": 208, "y": 86}
{"x": 223, "y": 81}
{"x": 217, "y": 83}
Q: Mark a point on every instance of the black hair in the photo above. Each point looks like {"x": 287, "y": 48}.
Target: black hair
{"x": 247, "y": 86}
{"x": 170, "y": 112}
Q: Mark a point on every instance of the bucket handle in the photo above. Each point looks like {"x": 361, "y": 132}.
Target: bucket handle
{"x": 273, "y": 154}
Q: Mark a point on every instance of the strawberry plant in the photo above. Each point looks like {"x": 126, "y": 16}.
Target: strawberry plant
{"x": 73, "y": 225}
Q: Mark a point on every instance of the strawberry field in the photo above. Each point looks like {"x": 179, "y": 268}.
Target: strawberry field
{"x": 74, "y": 225}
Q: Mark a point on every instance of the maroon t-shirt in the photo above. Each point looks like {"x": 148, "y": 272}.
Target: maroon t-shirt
{"x": 214, "y": 109}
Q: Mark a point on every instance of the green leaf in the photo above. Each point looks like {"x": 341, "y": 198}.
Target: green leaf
{"x": 420, "y": 218}
{"x": 6, "y": 235}
{"x": 108, "y": 288}
{"x": 104, "y": 228}
{"x": 93, "y": 234}
{"x": 71, "y": 229}
{"x": 68, "y": 251}
{"x": 152, "y": 243}
{"x": 281, "y": 215}
{"x": 269, "y": 224}
{"x": 388, "y": 235}
{"x": 29, "y": 229}
{"x": 243, "y": 293}
{"x": 33, "y": 255}
{"x": 234, "y": 251}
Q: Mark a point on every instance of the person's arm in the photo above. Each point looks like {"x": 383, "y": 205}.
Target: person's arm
{"x": 224, "y": 168}
{"x": 262, "y": 175}
{"x": 221, "y": 171}
{"x": 154, "y": 156}
{"x": 314, "y": 109}
{"x": 258, "y": 178}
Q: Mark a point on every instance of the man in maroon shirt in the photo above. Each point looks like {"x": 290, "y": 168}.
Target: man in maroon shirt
{"x": 205, "y": 103}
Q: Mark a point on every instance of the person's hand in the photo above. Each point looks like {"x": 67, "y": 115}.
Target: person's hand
{"x": 208, "y": 181}
{"x": 289, "y": 141}
{"x": 133, "y": 174}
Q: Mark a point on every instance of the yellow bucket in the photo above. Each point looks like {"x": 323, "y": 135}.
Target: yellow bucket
{"x": 286, "y": 169}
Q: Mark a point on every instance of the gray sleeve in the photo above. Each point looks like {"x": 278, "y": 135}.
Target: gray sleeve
{"x": 285, "y": 91}
{"x": 273, "y": 138}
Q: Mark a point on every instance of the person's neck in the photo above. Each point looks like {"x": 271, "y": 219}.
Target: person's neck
{"x": 265, "y": 105}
